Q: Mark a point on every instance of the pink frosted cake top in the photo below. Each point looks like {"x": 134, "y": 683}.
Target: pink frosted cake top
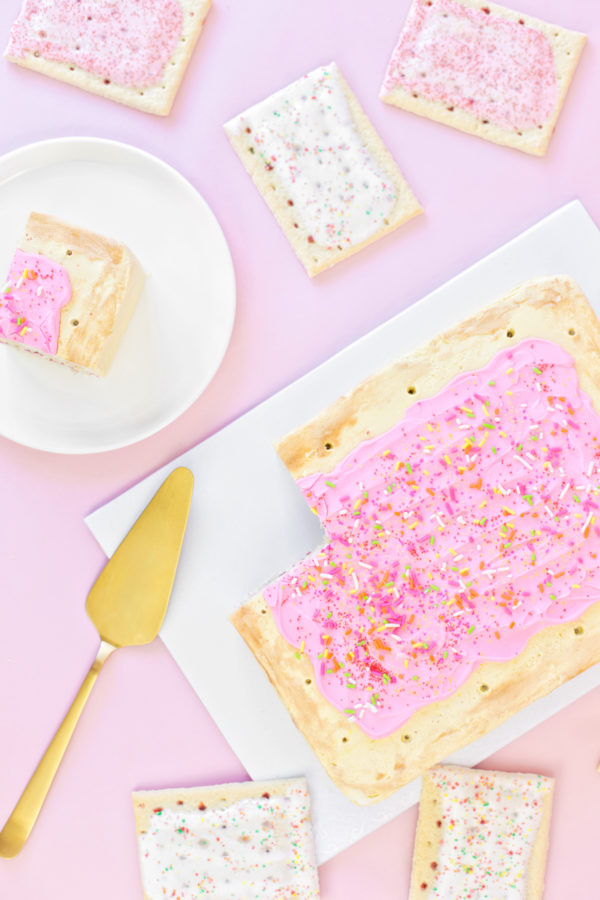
{"x": 31, "y": 300}
{"x": 126, "y": 41}
{"x": 500, "y": 70}
{"x": 489, "y": 823}
{"x": 453, "y": 538}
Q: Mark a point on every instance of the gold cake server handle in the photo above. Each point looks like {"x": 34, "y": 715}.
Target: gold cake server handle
{"x": 24, "y": 815}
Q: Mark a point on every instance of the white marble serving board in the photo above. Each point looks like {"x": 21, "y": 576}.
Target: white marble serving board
{"x": 243, "y": 531}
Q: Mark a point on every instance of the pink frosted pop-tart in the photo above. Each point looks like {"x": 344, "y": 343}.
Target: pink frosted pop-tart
{"x": 69, "y": 294}
{"x": 481, "y": 834}
{"x": 483, "y": 69}
{"x": 248, "y": 841}
{"x": 132, "y": 51}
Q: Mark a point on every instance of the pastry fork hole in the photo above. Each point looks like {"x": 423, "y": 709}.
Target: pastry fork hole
{"x": 578, "y": 630}
{"x": 484, "y": 688}
{"x": 328, "y": 446}
{"x": 510, "y": 333}
{"x": 572, "y": 332}
{"x": 406, "y": 738}
{"x": 411, "y": 389}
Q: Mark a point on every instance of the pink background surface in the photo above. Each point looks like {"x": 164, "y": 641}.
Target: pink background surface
{"x": 144, "y": 726}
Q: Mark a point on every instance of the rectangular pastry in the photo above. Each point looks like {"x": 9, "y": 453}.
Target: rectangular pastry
{"x": 239, "y": 841}
{"x": 134, "y": 51}
{"x": 69, "y": 295}
{"x": 481, "y": 834}
{"x": 483, "y": 69}
{"x": 460, "y": 581}
{"x": 322, "y": 168}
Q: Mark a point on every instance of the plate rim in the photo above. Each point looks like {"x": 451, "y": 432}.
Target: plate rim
{"x": 83, "y": 142}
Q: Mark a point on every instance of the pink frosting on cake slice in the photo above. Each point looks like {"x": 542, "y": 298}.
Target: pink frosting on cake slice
{"x": 31, "y": 301}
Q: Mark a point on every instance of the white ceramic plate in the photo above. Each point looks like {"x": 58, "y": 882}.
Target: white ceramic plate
{"x": 181, "y": 327}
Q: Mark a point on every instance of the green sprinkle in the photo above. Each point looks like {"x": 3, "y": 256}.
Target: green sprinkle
{"x": 529, "y": 498}
{"x": 576, "y": 498}
{"x": 471, "y": 629}
{"x": 494, "y": 450}
{"x": 489, "y": 425}
{"x": 408, "y": 468}
{"x": 537, "y": 371}
{"x": 350, "y": 712}
{"x": 330, "y": 484}
{"x": 492, "y": 383}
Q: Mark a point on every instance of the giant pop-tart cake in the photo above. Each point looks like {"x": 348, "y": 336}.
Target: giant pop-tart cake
{"x": 460, "y": 580}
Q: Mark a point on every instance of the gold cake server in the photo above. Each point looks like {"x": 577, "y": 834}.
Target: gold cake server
{"x": 127, "y": 604}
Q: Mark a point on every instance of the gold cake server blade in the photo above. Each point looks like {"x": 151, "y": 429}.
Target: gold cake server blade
{"x": 127, "y": 604}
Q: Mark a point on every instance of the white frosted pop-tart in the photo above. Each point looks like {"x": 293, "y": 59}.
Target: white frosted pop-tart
{"x": 460, "y": 579}
{"x": 134, "y": 51}
{"x": 481, "y": 834}
{"x": 234, "y": 841}
{"x": 69, "y": 294}
{"x": 322, "y": 168}
{"x": 483, "y": 69}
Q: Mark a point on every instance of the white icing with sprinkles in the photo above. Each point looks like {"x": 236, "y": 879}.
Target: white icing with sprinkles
{"x": 489, "y": 824}
{"x": 258, "y": 847}
{"x": 307, "y": 137}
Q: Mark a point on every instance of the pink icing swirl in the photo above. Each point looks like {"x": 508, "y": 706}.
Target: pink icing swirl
{"x": 499, "y": 70}
{"x": 31, "y": 301}
{"x": 126, "y": 41}
{"x": 453, "y": 538}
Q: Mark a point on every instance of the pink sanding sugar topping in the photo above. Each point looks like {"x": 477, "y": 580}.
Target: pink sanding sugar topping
{"x": 453, "y": 538}
{"x": 499, "y": 70}
{"x": 31, "y": 300}
{"x": 128, "y": 42}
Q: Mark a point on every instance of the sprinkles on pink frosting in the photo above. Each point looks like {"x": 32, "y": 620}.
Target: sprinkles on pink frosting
{"x": 453, "y": 538}
{"x": 500, "y": 70}
{"x": 31, "y": 300}
{"x": 128, "y": 42}
{"x": 489, "y": 823}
